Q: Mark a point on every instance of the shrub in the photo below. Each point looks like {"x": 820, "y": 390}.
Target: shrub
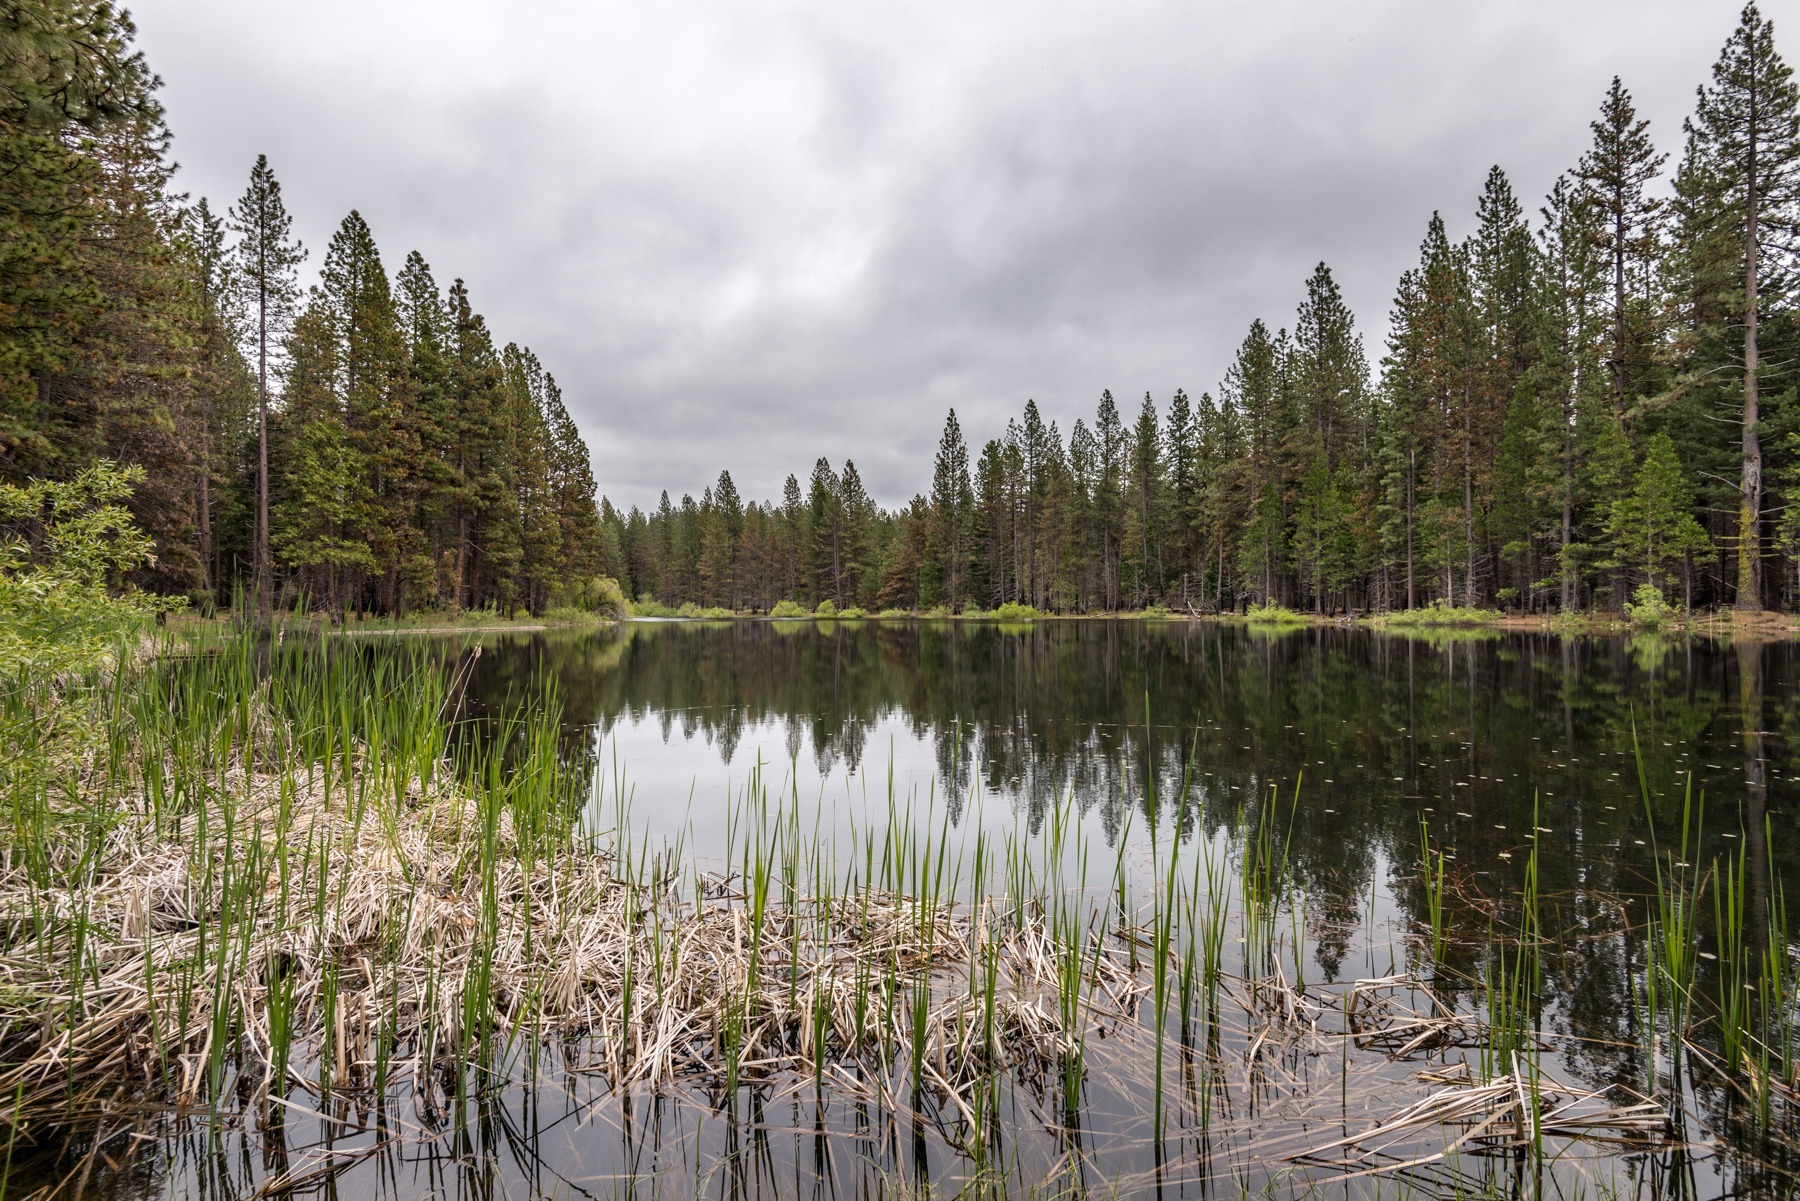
{"x": 787, "y": 608}
{"x": 651, "y": 607}
{"x": 825, "y": 609}
{"x": 890, "y": 614}
{"x": 1648, "y": 609}
{"x": 64, "y": 598}
{"x": 570, "y": 615}
{"x": 1014, "y": 611}
{"x": 1439, "y": 613}
{"x": 600, "y": 596}
{"x": 937, "y": 612}
{"x": 608, "y": 598}
{"x": 1274, "y": 614}
{"x": 852, "y": 613}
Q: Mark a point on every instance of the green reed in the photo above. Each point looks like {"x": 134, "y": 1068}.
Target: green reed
{"x": 1669, "y": 975}
{"x": 1433, "y": 862}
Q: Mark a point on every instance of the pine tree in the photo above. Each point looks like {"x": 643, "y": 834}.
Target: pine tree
{"x": 583, "y": 531}
{"x": 125, "y": 391}
{"x": 485, "y": 536}
{"x": 1252, "y": 391}
{"x": 67, "y": 72}
{"x": 952, "y": 499}
{"x": 1182, "y": 435}
{"x": 860, "y": 578}
{"x": 1331, "y": 375}
{"x": 1108, "y": 496}
{"x": 355, "y": 304}
{"x": 794, "y": 539}
{"x": 1654, "y": 527}
{"x": 321, "y": 503}
{"x": 531, "y": 465}
{"x": 1740, "y": 203}
{"x": 1566, "y": 375}
{"x": 267, "y": 262}
{"x": 827, "y": 514}
{"x": 224, "y": 393}
{"x": 1146, "y": 480}
{"x": 1614, "y": 175}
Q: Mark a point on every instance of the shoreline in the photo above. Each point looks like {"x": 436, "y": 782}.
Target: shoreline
{"x": 1764, "y": 625}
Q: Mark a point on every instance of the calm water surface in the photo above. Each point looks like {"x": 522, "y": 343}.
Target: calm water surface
{"x": 1484, "y": 736}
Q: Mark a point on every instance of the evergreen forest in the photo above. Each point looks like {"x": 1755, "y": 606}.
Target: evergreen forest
{"x": 364, "y": 445}
{"x": 1570, "y": 404}
{"x": 1578, "y": 400}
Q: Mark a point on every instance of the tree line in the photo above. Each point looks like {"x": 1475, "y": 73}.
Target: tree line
{"x": 363, "y": 445}
{"x": 1568, "y": 407}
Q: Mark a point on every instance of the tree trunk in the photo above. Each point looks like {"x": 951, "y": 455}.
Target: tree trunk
{"x": 1412, "y": 467}
{"x": 1749, "y": 598}
{"x": 1567, "y": 603}
{"x": 206, "y": 547}
{"x": 265, "y": 584}
{"x": 1468, "y": 501}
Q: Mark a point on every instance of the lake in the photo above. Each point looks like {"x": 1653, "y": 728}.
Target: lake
{"x": 1133, "y": 752}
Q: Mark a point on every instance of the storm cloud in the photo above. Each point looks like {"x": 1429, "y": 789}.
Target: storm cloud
{"x": 746, "y": 235}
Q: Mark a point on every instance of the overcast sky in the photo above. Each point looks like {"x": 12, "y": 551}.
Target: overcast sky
{"x": 745, "y": 235}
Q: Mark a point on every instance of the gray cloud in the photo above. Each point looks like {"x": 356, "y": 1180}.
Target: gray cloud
{"x": 744, "y": 236}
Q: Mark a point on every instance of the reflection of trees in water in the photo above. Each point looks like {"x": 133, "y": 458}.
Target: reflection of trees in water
{"x": 1515, "y": 731}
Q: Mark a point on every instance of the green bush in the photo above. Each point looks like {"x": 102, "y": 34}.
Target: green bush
{"x": 1439, "y": 613}
{"x": 64, "y": 597}
{"x": 1649, "y": 610}
{"x": 1274, "y": 614}
{"x": 570, "y": 615}
{"x": 651, "y": 607}
{"x": 825, "y": 609}
{"x": 937, "y": 612}
{"x": 891, "y": 614}
{"x": 600, "y": 597}
{"x": 1014, "y": 611}
{"x": 787, "y": 608}
{"x": 608, "y": 598}
{"x": 852, "y": 613}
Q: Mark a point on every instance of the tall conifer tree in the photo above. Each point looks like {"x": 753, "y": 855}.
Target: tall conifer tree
{"x": 268, "y": 258}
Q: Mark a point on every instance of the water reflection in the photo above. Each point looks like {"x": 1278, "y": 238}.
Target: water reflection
{"x": 1485, "y": 736}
